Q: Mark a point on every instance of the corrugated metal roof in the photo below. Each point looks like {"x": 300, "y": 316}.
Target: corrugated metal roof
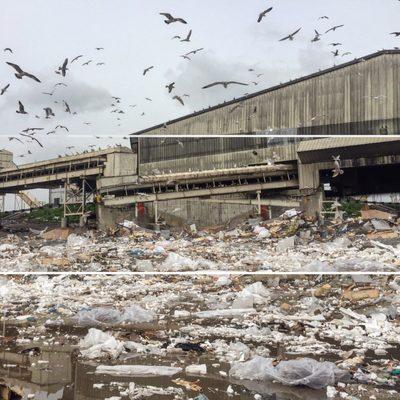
{"x": 335, "y": 142}
{"x": 271, "y": 89}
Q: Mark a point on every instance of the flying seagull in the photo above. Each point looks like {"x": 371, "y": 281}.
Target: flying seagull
{"x": 175, "y": 37}
{"x": 76, "y": 58}
{"x": 290, "y": 36}
{"x": 333, "y": 29}
{"x": 63, "y": 69}
{"x": 60, "y": 84}
{"x": 61, "y": 127}
{"x": 32, "y": 138}
{"x": 194, "y": 51}
{"x": 8, "y": 49}
{"x": 99, "y": 48}
{"x": 317, "y": 36}
{"x": 336, "y": 170}
{"x": 170, "y": 19}
{"x": 187, "y": 38}
{"x": 224, "y": 84}
{"x": 324, "y": 17}
{"x": 264, "y": 13}
{"x": 335, "y": 53}
{"x": 4, "y": 89}
{"x": 21, "y": 73}
{"x": 145, "y": 71}
{"x": 49, "y": 112}
{"x": 21, "y": 109}
{"x": 170, "y": 87}
{"x": 179, "y": 99}
{"x": 397, "y": 34}
{"x": 335, "y": 44}
{"x": 347, "y": 53}
{"x": 101, "y": 63}
{"x": 87, "y": 63}
{"x": 67, "y": 109}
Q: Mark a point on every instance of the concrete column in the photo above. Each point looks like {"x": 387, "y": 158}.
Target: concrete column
{"x": 64, "y": 222}
{"x": 311, "y": 203}
{"x": 259, "y": 201}
{"x": 82, "y": 221}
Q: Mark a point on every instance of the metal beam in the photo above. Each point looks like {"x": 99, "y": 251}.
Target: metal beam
{"x": 125, "y": 200}
{"x": 255, "y": 202}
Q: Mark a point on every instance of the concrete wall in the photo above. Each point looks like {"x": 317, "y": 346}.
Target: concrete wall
{"x": 202, "y": 214}
{"x": 108, "y": 217}
{"x": 120, "y": 164}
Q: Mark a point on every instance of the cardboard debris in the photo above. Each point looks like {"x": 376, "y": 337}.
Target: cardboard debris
{"x": 377, "y": 214}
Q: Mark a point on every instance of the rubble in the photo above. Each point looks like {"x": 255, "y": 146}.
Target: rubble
{"x": 288, "y": 244}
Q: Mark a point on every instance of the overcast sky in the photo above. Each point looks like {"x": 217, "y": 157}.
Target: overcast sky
{"x": 43, "y": 33}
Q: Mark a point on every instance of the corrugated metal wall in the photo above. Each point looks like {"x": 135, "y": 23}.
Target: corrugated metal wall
{"x": 340, "y": 101}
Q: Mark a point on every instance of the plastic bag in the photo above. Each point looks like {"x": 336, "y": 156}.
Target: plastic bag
{"x": 106, "y": 316}
{"x": 304, "y": 371}
{"x": 138, "y": 370}
{"x": 98, "y": 344}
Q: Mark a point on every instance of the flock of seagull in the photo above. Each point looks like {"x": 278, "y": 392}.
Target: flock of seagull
{"x": 28, "y": 134}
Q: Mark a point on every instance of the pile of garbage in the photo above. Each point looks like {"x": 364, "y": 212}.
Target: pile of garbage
{"x": 215, "y": 336}
{"x": 290, "y": 243}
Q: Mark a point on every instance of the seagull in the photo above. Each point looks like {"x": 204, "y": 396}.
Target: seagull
{"x": 49, "y": 112}
{"x": 336, "y": 170}
{"x": 397, "y": 34}
{"x": 236, "y": 106}
{"x": 186, "y": 95}
{"x": 11, "y": 138}
{"x": 87, "y": 63}
{"x": 49, "y": 93}
{"x": 333, "y": 29}
{"x": 347, "y": 53}
{"x": 101, "y": 63}
{"x": 61, "y": 127}
{"x": 67, "y": 109}
{"x": 76, "y": 58}
{"x": 187, "y": 39}
{"x": 194, "y": 51}
{"x": 224, "y": 84}
{"x": 186, "y": 57}
{"x": 21, "y": 73}
{"x": 317, "y": 36}
{"x": 60, "y": 84}
{"x": 21, "y": 109}
{"x": 147, "y": 70}
{"x": 4, "y": 89}
{"x": 179, "y": 99}
{"x": 32, "y": 129}
{"x": 32, "y": 138}
{"x": 335, "y": 53}
{"x": 99, "y": 48}
{"x": 63, "y": 68}
{"x": 170, "y": 19}
{"x": 175, "y": 37}
{"x": 324, "y": 17}
{"x": 264, "y": 13}
{"x": 148, "y": 99}
{"x": 132, "y": 105}
{"x": 290, "y": 36}
{"x": 335, "y": 44}
{"x": 8, "y": 49}
{"x": 170, "y": 87}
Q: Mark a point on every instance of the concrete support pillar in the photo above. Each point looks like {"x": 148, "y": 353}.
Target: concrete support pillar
{"x": 82, "y": 221}
{"x": 155, "y": 204}
{"x": 259, "y": 201}
{"x": 64, "y": 222}
{"x": 311, "y": 203}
